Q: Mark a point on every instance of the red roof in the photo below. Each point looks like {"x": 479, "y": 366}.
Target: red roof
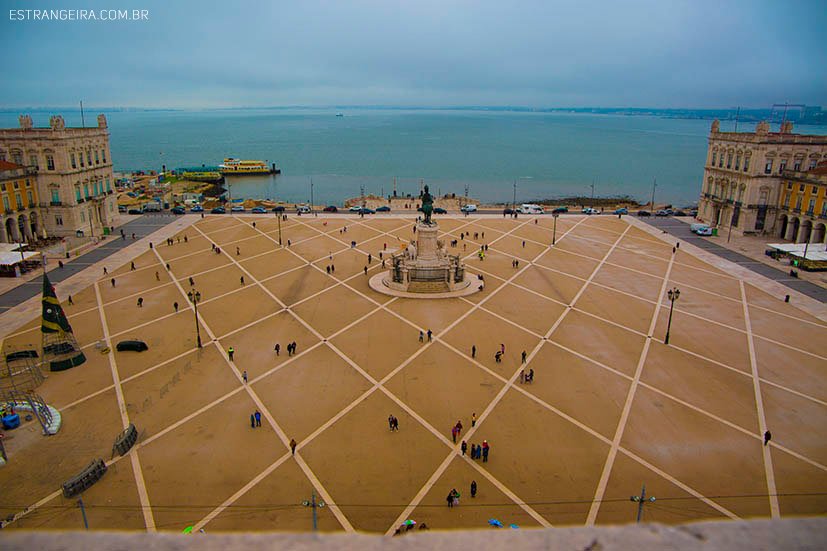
{"x": 5, "y": 165}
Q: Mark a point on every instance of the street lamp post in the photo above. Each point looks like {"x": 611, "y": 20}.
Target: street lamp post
{"x": 591, "y": 201}
{"x": 195, "y": 298}
{"x": 640, "y": 500}
{"x": 673, "y": 295}
{"x": 278, "y": 216}
{"x": 654, "y": 185}
{"x": 311, "y": 197}
{"x": 554, "y": 231}
{"x": 514, "y": 202}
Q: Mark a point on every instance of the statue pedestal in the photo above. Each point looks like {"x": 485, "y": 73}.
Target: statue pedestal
{"x": 426, "y": 270}
{"x": 426, "y": 246}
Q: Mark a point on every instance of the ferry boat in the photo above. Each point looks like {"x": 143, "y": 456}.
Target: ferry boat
{"x": 240, "y": 167}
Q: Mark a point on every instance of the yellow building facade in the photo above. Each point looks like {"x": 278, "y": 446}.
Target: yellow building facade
{"x": 21, "y": 220}
{"x": 803, "y": 206}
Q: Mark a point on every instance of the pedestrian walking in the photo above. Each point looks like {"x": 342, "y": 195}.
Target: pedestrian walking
{"x": 244, "y": 376}
{"x": 498, "y": 357}
{"x": 502, "y": 348}
{"x": 242, "y": 280}
{"x": 258, "y": 418}
{"x": 157, "y": 276}
{"x": 473, "y": 451}
{"x": 327, "y": 268}
{"x": 421, "y": 336}
{"x": 175, "y": 305}
{"x": 454, "y": 432}
{"x": 395, "y": 423}
{"x": 370, "y": 258}
{"x": 522, "y": 376}
{"x": 366, "y": 270}
{"x": 113, "y": 281}
{"x": 71, "y": 303}
{"x": 292, "y": 440}
{"x": 212, "y": 245}
{"x": 430, "y": 335}
{"x": 390, "y": 422}
{"x": 531, "y": 375}
{"x": 132, "y": 266}
{"x": 185, "y": 239}
{"x": 293, "y": 346}
{"x": 473, "y": 351}
{"x": 523, "y": 355}
{"x": 230, "y": 352}
{"x": 524, "y": 244}
{"x": 450, "y": 499}
{"x": 473, "y": 420}
{"x": 140, "y": 302}
{"x": 485, "y": 449}
{"x": 238, "y": 251}
{"x": 464, "y": 447}
{"x": 332, "y": 268}
{"x": 473, "y": 488}
{"x": 167, "y": 266}
{"x": 192, "y": 282}
{"x": 767, "y": 437}
{"x": 105, "y": 271}
{"x": 252, "y": 420}
{"x": 277, "y": 348}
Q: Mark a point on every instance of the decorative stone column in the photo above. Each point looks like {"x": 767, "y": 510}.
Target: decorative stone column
{"x": 426, "y": 246}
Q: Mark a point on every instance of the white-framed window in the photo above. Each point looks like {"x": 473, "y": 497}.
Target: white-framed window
{"x": 50, "y": 162}
{"x": 738, "y": 162}
{"x": 786, "y": 200}
{"x": 89, "y": 157}
{"x": 58, "y": 220}
{"x": 86, "y": 190}
{"x": 19, "y": 200}
{"x": 33, "y": 161}
{"x": 73, "y": 160}
{"x": 6, "y": 203}
{"x": 103, "y": 155}
{"x": 768, "y": 167}
{"x": 797, "y": 165}
{"x": 97, "y": 159}
{"x": 729, "y": 160}
{"x": 746, "y": 163}
{"x": 798, "y": 203}
{"x": 82, "y": 216}
{"x": 714, "y": 157}
{"x": 782, "y": 166}
{"x": 55, "y": 196}
{"x": 17, "y": 157}
{"x": 813, "y": 163}
{"x": 30, "y": 197}
{"x": 811, "y": 207}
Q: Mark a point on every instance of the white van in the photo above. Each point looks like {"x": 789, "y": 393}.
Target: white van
{"x": 303, "y": 209}
{"x": 695, "y": 228}
{"x": 528, "y": 208}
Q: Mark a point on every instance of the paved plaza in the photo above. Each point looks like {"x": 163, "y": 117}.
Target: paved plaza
{"x": 611, "y": 407}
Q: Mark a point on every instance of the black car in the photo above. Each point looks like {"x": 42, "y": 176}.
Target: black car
{"x": 644, "y": 213}
{"x": 131, "y": 345}
{"x": 509, "y": 211}
{"x": 178, "y": 210}
{"x": 121, "y": 208}
{"x": 279, "y": 208}
{"x": 383, "y": 208}
{"x": 679, "y": 213}
{"x": 330, "y": 208}
{"x": 218, "y": 210}
{"x": 135, "y": 211}
{"x": 559, "y": 210}
{"x": 366, "y": 211}
{"x": 439, "y": 210}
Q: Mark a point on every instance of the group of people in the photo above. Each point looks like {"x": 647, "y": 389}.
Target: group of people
{"x": 393, "y": 423}
{"x": 477, "y": 451}
{"x": 527, "y": 377}
{"x": 456, "y": 431}
{"x": 291, "y": 348}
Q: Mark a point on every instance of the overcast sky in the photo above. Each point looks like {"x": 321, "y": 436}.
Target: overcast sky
{"x": 209, "y": 53}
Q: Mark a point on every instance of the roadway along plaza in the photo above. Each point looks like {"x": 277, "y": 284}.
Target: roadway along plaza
{"x": 611, "y": 406}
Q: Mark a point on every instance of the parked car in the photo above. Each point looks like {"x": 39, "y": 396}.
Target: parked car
{"x": 178, "y": 210}
{"x": 218, "y": 210}
{"x": 590, "y": 211}
{"x": 135, "y": 211}
{"x": 439, "y": 210}
{"x": 661, "y": 212}
{"x": 237, "y": 208}
{"x": 679, "y": 213}
{"x": 259, "y": 210}
{"x": 469, "y": 208}
{"x": 383, "y": 208}
{"x": 622, "y": 211}
{"x": 530, "y": 208}
{"x": 197, "y": 208}
{"x": 367, "y": 211}
{"x": 303, "y": 209}
{"x": 331, "y": 208}
{"x": 693, "y": 212}
{"x": 707, "y": 231}
{"x": 278, "y": 208}
{"x": 644, "y": 213}
{"x": 131, "y": 345}
{"x": 560, "y": 210}
{"x": 122, "y": 208}
{"x": 355, "y": 208}
{"x": 508, "y": 211}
